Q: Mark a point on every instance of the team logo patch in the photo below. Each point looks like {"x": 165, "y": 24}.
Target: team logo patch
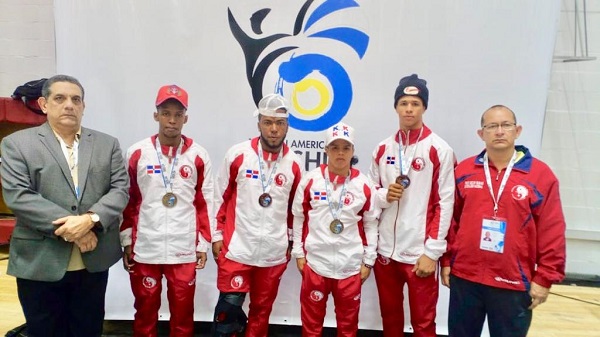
{"x": 411, "y": 90}
{"x": 418, "y": 164}
{"x": 173, "y": 90}
{"x": 185, "y": 171}
{"x": 251, "y": 174}
{"x": 237, "y": 281}
{"x": 280, "y": 179}
{"x": 322, "y": 195}
{"x": 519, "y": 192}
{"x": 316, "y": 296}
{"x": 348, "y": 199}
{"x": 473, "y": 184}
{"x": 383, "y": 260}
{"x": 151, "y": 169}
{"x": 390, "y": 160}
{"x": 149, "y": 282}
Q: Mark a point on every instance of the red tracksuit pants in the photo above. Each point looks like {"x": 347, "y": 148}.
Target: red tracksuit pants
{"x": 391, "y": 276}
{"x": 146, "y": 283}
{"x": 313, "y": 301}
{"x": 262, "y": 284}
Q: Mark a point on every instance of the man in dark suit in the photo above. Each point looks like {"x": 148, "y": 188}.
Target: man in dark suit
{"x": 67, "y": 186}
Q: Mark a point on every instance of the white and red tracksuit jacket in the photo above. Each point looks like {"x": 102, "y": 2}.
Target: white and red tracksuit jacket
{"x": 336, "y": 256}
{"x": 252, "y": 234}
{"x": 534, "y": 241}
{"x": 419, "y": 222}
{"x": 161, "y": 235}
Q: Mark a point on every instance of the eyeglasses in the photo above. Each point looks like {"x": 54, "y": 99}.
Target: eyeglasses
{"x": 504, "y": 126}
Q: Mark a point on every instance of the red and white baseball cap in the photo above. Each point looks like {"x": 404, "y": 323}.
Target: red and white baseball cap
{"x": 172, "y": 91}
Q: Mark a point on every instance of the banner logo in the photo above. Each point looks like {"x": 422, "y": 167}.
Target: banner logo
{"x": 299, "y": 65}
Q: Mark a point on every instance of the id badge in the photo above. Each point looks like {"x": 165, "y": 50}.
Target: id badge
{"x": 493, "y": 231}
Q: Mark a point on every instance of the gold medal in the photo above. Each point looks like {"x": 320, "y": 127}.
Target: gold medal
{"x": 403, "y": 180}
{"x": 265, "y": 200}
{"x": 169, "y": 200}
{"x": 336, "y": 226}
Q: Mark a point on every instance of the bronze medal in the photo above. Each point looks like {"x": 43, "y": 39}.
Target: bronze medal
{"x": 336, "y": 226}
{"x": 265, "y": 200}
{"x": 403, "y": 180}
{"x": 169, "y": 200}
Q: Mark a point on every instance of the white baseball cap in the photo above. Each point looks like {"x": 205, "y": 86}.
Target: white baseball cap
{"x": 340, "y": 130}
{"x": 269, "y": 105}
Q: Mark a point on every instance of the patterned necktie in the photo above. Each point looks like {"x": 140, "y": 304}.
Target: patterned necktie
{"x": 75, "y": 262}
{"x": 73, "y": 168}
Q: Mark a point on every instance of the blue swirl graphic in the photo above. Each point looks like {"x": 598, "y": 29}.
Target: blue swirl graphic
{"x": 299, "y": 67}
{"x": 327, "y": 8}
{"x": 356, "y": 39}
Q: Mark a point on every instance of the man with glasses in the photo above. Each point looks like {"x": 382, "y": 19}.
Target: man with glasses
{"x": 507, "y": 192}
{"x": 166, "y": 225}
{"x": 252, "y": 239}
{"x": 413, "y": 171}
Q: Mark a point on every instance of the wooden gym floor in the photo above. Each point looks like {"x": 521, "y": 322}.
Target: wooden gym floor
{"x": 571, "y": 311}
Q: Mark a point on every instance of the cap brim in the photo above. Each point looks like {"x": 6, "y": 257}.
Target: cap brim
{"x": 340, "y": 137}
{"x": 272, "y": 113}
{"x": 171, "y": 97}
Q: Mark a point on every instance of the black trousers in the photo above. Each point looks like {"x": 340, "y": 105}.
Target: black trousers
{"x": 71, "y": 307}
{"x": 507, "y": 310}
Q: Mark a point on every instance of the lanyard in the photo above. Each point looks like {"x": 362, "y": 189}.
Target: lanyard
{"x": 335, "y": 212}
{"x": 266, "y": 185}
{"x": 488, "y": 178}
{"x": 163, "y": 169}
{"x": 404, "y": 161}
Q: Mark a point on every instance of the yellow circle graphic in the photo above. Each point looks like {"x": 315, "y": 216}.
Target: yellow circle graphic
{"x": 304, "y": 86}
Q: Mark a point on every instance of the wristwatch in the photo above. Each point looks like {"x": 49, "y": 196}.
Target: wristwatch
{"x": 96, "y": 221}
{"x": 95, "y": 217}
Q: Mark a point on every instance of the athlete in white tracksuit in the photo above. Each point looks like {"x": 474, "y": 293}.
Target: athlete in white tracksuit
{"x": 413, "y": 171}
{"x": 335, "y": 236}
{"x": 251, "y": 241}
{"x": 166, "y": 224}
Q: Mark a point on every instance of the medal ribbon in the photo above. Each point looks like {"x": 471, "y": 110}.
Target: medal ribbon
{"x": 335, "y": 213}
{"x": 488, "y": 178}
{"x": 266, "y": 185}
{"x": 406, "y": 165}
{"x": 167, "y": 181}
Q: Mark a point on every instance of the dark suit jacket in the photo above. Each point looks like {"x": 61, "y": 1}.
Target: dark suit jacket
{"x": 38, "y": 188}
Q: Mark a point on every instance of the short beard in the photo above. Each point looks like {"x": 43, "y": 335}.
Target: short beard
{"x": 267, "y": 147}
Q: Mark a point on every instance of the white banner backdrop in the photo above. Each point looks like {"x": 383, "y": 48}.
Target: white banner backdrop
{"x": 336, "y": 59}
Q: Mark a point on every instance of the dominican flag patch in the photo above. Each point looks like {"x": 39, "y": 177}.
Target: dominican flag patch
{"x": 150, "y": 169}
{"x": 320, "y": 195}
{"x": 252, "y": 174}
{"x": 390, "y": 160}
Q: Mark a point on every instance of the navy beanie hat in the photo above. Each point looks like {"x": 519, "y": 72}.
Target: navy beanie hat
{"x": 414, "y": 86}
